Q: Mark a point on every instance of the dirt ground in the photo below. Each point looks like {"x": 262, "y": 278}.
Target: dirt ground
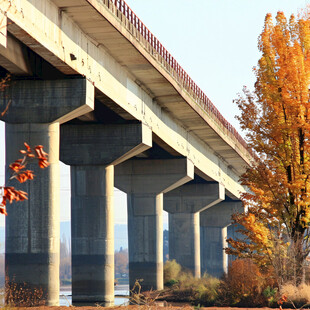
{"x": 144, "y": 307}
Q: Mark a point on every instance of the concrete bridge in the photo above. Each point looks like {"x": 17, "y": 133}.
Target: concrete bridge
{"x": 93, "y": 85}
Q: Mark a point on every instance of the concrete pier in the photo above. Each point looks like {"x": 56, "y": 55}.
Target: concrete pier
{"x": 213, "y": 235}
{"x": 232, "y": 232}
{"x": 32, "y": 227}
{"x": 184, "y": 204}
{"x": 145, "y": 181}
{"x": 92, "y": 151}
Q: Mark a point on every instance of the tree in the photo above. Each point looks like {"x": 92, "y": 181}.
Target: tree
{"x": 121, "y": 261}
{"x": 276, "y": 119}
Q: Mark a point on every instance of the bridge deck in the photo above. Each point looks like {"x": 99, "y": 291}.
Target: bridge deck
{"x": 115, "y": 26}
{"x": 133, "y": 75}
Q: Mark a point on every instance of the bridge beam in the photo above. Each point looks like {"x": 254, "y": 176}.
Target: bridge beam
{"x": 184, "y": 204}
{"x": 32, "y": 227}
{"x": 213, "y": 235}
{"x": 92, "y": 151}
{"x": 145, "y": 181}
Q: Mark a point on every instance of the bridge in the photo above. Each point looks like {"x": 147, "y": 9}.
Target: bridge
{"x": 93, "y": 85}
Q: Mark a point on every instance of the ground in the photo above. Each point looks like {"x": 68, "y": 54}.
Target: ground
{"x": 143, "y": 307}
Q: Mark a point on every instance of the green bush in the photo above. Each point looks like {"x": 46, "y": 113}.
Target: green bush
{"x": 186, "y": 287}
{"x": 171, "y": 270}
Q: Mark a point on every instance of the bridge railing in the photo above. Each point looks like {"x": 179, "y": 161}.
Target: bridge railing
{"x": 179, "y": 73}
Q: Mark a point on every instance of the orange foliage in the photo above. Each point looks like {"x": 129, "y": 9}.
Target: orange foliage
{"x": 276, "y": 118}
{"x": 9, "y": 193}
{"x": 244, "y": 284}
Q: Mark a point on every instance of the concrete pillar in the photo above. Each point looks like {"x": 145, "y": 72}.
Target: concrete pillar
{"x": 184, "y": 242}
{"x": 145, "y": 181}
{"x": 213, "y": 235}
{"x": 32, "y": 226}
{"x": 232, "y": 232}
{"x": 184, "y": 204}
{"x": 92, "y": 150}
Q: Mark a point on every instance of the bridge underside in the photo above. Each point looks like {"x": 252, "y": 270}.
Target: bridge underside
{"x": 87, "y": 85}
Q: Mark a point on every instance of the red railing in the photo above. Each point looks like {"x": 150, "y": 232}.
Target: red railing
{"x": 185, "y": 79}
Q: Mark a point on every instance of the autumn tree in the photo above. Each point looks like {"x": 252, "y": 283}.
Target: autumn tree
{"x": 276, "y": 120}
{"x": 121, "y": 261}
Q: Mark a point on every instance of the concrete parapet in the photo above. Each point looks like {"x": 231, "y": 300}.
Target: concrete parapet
{"x": 213, "y": 235}
{"x": 144, "y": 181}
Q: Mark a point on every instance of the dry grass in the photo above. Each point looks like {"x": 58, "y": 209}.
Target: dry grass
{"x": 297, "y": 295}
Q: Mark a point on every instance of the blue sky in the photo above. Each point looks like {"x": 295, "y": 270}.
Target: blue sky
{"x": 215, "y": 41}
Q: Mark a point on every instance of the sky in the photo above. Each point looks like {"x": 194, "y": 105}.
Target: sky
{"x": 215, "y": 41}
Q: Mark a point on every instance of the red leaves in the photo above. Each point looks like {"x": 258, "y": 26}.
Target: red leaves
{"x": 41, "y": 156}
{"x": 9, "y": 193}
{"x": 25, "y": 175}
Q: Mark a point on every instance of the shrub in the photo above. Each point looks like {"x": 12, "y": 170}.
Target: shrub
{"x": 171, "y": 270}
{"x": 185, "y": 287}
{"x": 246, "y": 285}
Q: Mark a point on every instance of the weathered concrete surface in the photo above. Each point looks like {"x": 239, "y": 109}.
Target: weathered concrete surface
{"x": 184, "y": 240}
{"x": 46, "y": 101}
{"x": 184, "y": 204}
{"x": 134, "y": 81}
{"x": 144, "y": 181}
{"x": 92, "y": 150}
{"x": 32, "y": 233}
{"x": 32, "y": 227}
{"x": 94, "y": 144}
{"x": 213, "y": 235}
{"x": 92, "y": 218}
{"x": 192, "y": 198}
{"x": 233, "y": 232}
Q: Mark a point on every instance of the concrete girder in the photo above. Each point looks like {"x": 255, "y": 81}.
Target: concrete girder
{"x": 145, "y": 181}
{"x": 13, "y": 57}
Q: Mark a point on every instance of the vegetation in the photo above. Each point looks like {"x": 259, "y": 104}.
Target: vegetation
{"x": 183, "y": 286}
{"x": 245, "y": 285}
{"x": 276, "y": 118}
{"x": 65, "y": 262}
{"x": 121, "y": 263}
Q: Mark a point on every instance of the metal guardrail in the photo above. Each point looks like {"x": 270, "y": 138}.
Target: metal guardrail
{"x": 180, "y": 74}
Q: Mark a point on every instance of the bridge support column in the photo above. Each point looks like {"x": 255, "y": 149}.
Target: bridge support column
{"x": 213, "y": 235}
{"x": 232, "y": 232}
{"x": 184, "y": 204}
{"x": 93, "y": 151}
{"x": 32, "y": 226}
{"x": 145, "y": 181}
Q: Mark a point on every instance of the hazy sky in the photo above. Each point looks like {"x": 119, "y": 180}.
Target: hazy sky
{"x": 215, "y": 41}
